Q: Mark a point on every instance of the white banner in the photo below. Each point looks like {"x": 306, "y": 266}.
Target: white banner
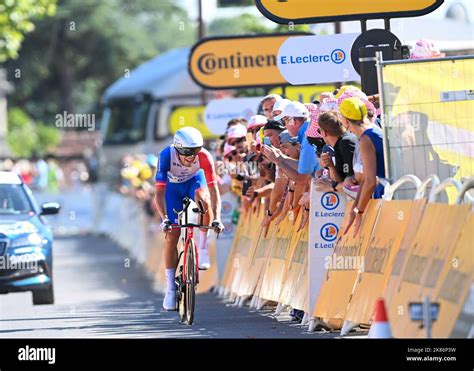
{"x": 219, "y": 111}
{"x": 317, "y": 59}
{"x": 326, "y": 214}
{"x": 224, "y": 243}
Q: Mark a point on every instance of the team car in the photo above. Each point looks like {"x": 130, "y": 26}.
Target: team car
{"x": 26, "y": 241}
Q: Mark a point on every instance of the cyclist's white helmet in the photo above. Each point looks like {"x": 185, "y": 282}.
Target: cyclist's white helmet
{"x": 188, "y": 137}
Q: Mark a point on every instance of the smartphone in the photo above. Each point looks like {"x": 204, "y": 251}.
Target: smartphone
{"x": 267, "y": 141}
{"x": 246, "y": 185}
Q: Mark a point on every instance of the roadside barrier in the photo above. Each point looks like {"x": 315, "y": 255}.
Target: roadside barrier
{"x": 387, "y": 235}
{"x": 405, "y": 251}
{"x": 348, "y": 260}
{"x": 427, "y": 253}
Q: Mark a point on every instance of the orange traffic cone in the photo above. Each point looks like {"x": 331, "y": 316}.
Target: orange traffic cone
{"x": 380, "y": 328}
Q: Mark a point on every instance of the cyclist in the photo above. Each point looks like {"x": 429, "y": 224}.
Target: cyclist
{"x": 185, "y": 168}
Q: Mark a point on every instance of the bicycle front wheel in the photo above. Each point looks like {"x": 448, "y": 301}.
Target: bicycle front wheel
{"x": 190, "y": 282}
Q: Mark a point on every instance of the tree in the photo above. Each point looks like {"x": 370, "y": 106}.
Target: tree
{"x": 16, "y": 18}
{"x": 249, "y": 24}
{"x": 25, "y": 137}
{"x": 70, "y": 58}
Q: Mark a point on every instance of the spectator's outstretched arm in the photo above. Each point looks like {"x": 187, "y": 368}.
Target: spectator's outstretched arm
{"x": 290, "y": 167}
{"x": 276, "y": 195}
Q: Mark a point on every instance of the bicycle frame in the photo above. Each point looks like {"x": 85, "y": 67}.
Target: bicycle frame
{"x": 189, "y": 232}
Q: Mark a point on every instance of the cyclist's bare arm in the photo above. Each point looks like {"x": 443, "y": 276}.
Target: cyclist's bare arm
{"x": 215, "y": 201}
{"x": 160, "y": 202}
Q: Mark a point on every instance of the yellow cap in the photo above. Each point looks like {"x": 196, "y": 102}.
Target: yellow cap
{"x": 353, "y": 109}
{"x": 343, "y": 88}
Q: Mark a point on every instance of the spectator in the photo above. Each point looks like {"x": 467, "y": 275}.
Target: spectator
{"x": 272, "y": 130}
{"x": 354, "y": 113}
{"x": 267, "y": 104}
{"x": 279, "y": 106}
{"x": 425, "y": 49}
{"x": 343, "y": 143}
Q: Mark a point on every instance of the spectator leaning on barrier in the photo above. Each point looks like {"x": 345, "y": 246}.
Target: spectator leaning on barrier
{"x": 296, "y": 118}
{"x": 272, "y": 131}
{"x": 343, "y": 143}
{"x": 267, "y": 104}
{"x": 354, "y": 114}
{"x": 254, "y": 125}
{"x": 290, "y": 147}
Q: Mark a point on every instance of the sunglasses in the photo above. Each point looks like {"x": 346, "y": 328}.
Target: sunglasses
{"x": 233, "y": 142}
{"x": 188, "y": 152}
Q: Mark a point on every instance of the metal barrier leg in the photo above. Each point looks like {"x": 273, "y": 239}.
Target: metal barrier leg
{"x": 348, "y": 326}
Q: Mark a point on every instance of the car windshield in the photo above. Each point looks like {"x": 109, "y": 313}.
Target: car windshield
{"x": 127, "y": 122}
{"x": 13, "y": 200}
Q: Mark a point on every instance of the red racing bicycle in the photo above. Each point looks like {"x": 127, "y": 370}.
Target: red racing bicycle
{"x": 187, "y": 278}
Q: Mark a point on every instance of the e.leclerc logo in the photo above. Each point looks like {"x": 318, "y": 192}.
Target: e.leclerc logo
{"x": 330, "y": 200}
{"x": 329, "y": 232}
{"x": 338, "y": 56}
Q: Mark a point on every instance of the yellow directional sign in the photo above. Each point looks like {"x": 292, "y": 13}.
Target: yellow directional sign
{"x": 237, "y": 61}
{"x": 189, "y": 116}
{"x": 319, "y": 11}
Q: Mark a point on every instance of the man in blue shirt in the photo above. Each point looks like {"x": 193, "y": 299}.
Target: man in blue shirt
{"x": 295, "y": 115}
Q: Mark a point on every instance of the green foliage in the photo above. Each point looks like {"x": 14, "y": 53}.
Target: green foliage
{"x": 70, "y": 58}
{"x": 249, "y": 24}
{"x": 245, "y": 24}
{"x": 26, "y": 137}
{"x": 16, "y": 19}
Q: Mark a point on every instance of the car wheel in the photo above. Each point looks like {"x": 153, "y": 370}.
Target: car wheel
{"x": 43, "y": 296}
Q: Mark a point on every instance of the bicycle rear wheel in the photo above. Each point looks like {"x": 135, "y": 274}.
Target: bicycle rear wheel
{"x": 190, "y": 282}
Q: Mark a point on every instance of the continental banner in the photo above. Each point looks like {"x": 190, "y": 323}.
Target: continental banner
{"x": 237, "y": 61}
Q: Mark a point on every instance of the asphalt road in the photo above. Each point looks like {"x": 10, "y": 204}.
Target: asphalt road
{"x": 100, "y": 295}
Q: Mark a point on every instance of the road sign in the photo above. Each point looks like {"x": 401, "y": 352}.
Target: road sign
{"x": 319, "y": 11}
{"x": 237, "y": 61}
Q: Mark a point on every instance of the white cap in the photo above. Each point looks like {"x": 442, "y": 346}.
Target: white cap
{"x": 257, "y": 121}
{"x": 277, "y": 97}
{"x": 236, "y": 131}
{"x": 280, "y": 104}
{"x": 293, "y": 109}
{"x": 228, "y": 149}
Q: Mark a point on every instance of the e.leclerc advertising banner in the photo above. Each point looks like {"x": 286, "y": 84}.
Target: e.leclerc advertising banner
{"x": 326, "y": 213}
{"x": 219, "y": 111}
{"x": 317, "y": 59}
